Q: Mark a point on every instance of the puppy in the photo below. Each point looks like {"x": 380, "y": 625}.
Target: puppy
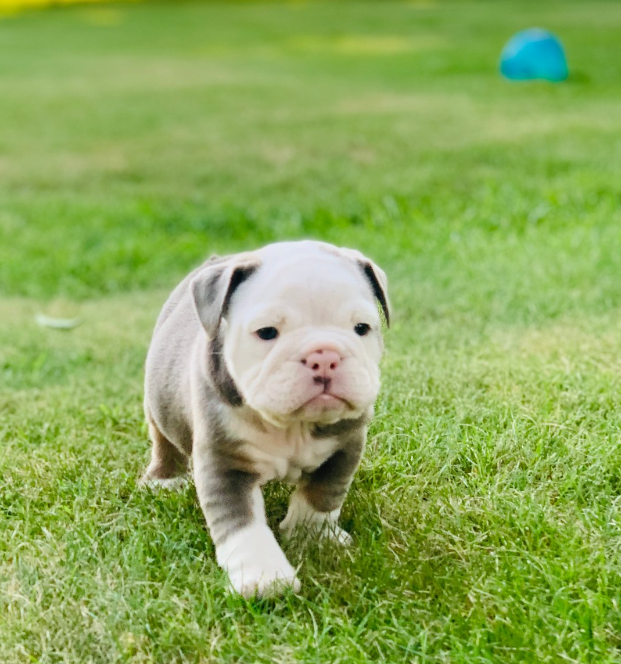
{"x": 265, "y": 365}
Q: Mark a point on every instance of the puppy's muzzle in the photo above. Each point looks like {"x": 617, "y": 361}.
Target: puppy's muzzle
{"x": 322, "y": 364}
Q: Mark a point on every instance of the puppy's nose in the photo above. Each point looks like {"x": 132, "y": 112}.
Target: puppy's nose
{"x": 322, "y": 363}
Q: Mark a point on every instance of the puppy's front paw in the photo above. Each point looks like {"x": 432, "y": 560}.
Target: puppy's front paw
{"x": 335, "y": 533}
{"x": 256, "y": 580}
{"x": 301, "y": 515}
{"x": 255, "y": 563}
{"x": 168, "y": 483}
{"x": 324, "y": 529}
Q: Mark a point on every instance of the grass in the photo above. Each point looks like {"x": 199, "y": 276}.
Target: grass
{"x": 135, "y": 139}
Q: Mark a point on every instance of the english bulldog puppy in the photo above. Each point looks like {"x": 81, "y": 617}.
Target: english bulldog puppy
{"x": 265, "y": 365}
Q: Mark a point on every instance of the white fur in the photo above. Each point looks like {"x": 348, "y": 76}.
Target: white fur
{"x": 281, "y": 453}
{"x": 168, "y": 484}
{"x": 315, "y": 298}
{"x": 253, "y": 560}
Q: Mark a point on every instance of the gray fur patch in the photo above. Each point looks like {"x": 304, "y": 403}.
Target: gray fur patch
{"x": 225, "y": 489}
{"x": 326, "y": 487}
{"x": 212, "y": 288}
{"x": 340, "y": 428}
{"x": 222, "y": 379}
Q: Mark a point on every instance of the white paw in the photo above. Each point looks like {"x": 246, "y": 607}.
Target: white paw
{"x": 169, "y": 484}
{"x": 336, "y": 534}
{"x": 263, "y": 581}
{"x": 255, "y": 563}
{"x": 324, "y": 530}
{"x": 324, "y": 524}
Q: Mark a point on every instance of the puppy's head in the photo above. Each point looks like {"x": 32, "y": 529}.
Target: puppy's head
{"x": 295, "y": 331}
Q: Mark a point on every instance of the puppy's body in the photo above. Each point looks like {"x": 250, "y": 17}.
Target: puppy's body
{"x": 248, "y": 410}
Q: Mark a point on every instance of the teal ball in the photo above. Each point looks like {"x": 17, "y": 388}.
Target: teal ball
{"x": 534, "y": 54}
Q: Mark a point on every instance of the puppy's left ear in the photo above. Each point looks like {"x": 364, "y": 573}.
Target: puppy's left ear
{"x": 379, "y": 283}
{"x": 214, "y": 285}
{"x": 376, "y": 278}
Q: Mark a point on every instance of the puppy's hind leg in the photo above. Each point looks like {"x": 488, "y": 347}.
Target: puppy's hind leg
{"x": 168, "y": 466}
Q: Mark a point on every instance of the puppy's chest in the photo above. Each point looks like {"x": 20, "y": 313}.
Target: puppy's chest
{"x": 286, "y": 454}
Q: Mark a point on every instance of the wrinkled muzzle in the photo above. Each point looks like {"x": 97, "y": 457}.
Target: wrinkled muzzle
{"x": 313, "y": 378}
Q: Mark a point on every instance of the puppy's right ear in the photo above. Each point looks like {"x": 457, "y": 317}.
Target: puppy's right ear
{"x": 214, "y": 285}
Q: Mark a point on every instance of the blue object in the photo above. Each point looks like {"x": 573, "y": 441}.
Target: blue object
{"x": 533, "y": 54}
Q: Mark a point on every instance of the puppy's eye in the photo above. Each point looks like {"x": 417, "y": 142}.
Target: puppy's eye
{"x": 361, "y": 329}
{"x": 267, "y": 333}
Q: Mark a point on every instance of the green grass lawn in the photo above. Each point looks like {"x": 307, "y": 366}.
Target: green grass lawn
{"x": 135, "y": 140}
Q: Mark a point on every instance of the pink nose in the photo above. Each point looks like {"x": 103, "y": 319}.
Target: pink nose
{"x": 322, "y": 363}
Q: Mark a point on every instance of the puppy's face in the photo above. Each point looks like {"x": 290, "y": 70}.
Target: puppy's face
{"x": 302, "y": 334}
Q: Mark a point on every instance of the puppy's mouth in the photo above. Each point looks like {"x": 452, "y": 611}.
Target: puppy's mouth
{"x": 327, "y": 400}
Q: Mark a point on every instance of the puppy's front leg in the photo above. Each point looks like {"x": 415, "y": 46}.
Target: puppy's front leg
{"x": 316, "y": 503}
{"x": 246, "y": 548}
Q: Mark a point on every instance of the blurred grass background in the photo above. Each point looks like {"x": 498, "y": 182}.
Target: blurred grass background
{"x": 137, "y": 138}
{"x": 14, "y": 6}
